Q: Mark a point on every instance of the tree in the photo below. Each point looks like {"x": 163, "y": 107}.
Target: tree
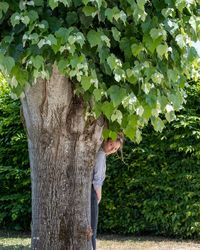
{"x": 78, "y": 65}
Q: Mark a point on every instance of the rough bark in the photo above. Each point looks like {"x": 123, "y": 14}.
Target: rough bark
{"x": 62, "y": 147}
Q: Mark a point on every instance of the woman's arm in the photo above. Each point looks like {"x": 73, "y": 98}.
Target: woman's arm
{"x": 99, "y": 174}
{"x": 98, "y": 192}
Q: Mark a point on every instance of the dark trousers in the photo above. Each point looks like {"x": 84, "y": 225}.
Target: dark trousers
{"x": 94, "y": 216}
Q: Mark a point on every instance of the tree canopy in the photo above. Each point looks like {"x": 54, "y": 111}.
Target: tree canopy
{"x": 129, "y": 60}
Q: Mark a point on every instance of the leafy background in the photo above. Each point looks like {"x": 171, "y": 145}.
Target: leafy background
{"x": 15, "y": 191}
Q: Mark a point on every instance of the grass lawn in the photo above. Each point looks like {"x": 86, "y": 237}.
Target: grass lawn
{"x": 113, "y": 242}
{"x": 10, "y": 241}
{"x": 14, "y": 240}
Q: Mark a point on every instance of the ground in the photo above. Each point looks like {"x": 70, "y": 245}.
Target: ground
{"x": 14, "y": 241}
{"x": 112, "y": 242}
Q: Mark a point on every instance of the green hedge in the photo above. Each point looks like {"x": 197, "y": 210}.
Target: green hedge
{"x": 157, "y": 189}
{"x": 15, "y": 187}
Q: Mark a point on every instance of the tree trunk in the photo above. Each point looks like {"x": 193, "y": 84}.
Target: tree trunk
{"x": 62, "y": 147}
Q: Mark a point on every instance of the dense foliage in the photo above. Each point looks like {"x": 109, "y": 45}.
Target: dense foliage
{"x": 157, "y": 189}
{"x": 128, "y": 59}
{"x": 15, "y": 192}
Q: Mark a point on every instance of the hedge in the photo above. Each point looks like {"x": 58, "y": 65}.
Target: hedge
{"x": 157, "y": 187}
{"x": 15, "y": 186}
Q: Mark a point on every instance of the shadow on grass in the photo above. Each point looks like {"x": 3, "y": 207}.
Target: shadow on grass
{"x": 17, "y": 234}
{"x": 14, "y": 247}
{"x": 157, "y": 239}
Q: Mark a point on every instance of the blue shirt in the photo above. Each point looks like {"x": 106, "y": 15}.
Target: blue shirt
{"x": 99, "y": 172}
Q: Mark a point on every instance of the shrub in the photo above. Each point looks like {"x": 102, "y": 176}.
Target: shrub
{"x": 156, "y": 189}
{"x": 15, "y": 192}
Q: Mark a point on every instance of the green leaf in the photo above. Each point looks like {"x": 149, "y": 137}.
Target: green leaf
{"x": 117, "y": 116}
{"x": 150, "y": 43}
{"x": 8, "y": 63}
{"x": 53, "y": 4}
{"x": 15, "y": 19}
{"x": 157, "y": 124}
{"x": 109, "y": 14}
{"x": 116, "y": 34}
{"x": 85, "y": 1}
{"x": 141, "y": 4}
{"x": 168, "y": 12}
{"x": 113, "y": 62}
{"x": 138, "y": 136}
{"x": 4, "y": 6}
{"x": 106, "y": 133}
{"x": 157, "y": 77}
{"x": 99, "y": 3}
{"x": 180, "y": 41}
{"x": 107, "y": 108}
{"x": 131, "y": 128}
{"x": 193, "y": 23}
{"x": 97, "y": 94}
{"x": 43, "y": 25}
{"x": 97, "y": 109}
{"x": 86, "y": 82}
{"x": 136, "y": 49}
{"x": 147, "y": 112}
{"x": 41, "y": 43}
{"x": 119, "y": 74}
{"x": 63, "y": 34}
{"x": 72, "y": 39}
{"x": 180, "y": 4}
{"x": 37, "y": 61}
{"x": 39, "y": 2}
{"x": 66, "y": 2}
{"x": 117, "y": 94}
{"x": 72, "y": 18}
{"x": 192, "y": 54}
{"x": 146, "y": 87}
{"x": 94, "y": 38}
{"x": 1, "y": 59}
{"x": 170, "y": 116}
{"x": 172, "y": 75}
{"x": 112, "y": 135}
{"x": 78, "y": 38}
{"x": 176, "y": 99}
{"x": 130, "y": 132}
{"x": 34, "y": 38}
{"x": 131, "y": 76}
{"x": 62, "y": 64}
{"x": 121, "y": 15}
{"x": 116, "y": 14}
{"x": 90, "y": 11}
{"x": 25, "y": 20}
{"x": 156, "y": 33}
{"x": 105, "y": 39}
{"x": 52, "y": 39}
{"x": 33, "y": 15}
{"x": 139, "y": 110}
{"x": 76, "y": 61}
{"x": 162, "y": 50}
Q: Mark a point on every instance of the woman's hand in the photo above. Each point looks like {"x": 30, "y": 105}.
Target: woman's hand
{"x": 98, "y": 193}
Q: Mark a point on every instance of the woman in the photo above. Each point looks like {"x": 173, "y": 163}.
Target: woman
{"x": 108, "y": 147}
